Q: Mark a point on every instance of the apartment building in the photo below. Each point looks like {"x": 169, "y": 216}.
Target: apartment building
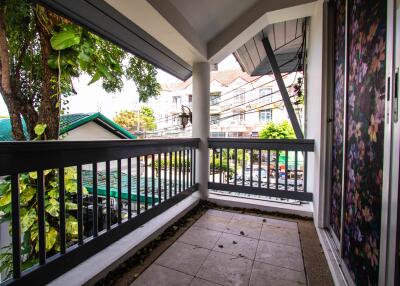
{"x": 240, "y": 105}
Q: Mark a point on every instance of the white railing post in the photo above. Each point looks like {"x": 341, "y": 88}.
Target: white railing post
{"x": 201, "y": 122}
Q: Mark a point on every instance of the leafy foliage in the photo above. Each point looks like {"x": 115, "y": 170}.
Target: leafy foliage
{"x": 29, "y": 212}
{"x": 282, "y": 130}
{"x": 131, "y": 120}
{"x": 47, "y": 52}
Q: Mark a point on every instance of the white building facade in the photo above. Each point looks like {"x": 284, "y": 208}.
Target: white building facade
{"x": 240, "y": 105}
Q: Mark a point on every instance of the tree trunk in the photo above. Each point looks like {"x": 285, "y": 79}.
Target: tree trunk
{"x": 49, "y": 110}
{"x": 6, "y": 87}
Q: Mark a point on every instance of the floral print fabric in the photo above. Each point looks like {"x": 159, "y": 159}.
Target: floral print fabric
{"x": 364, "y": 138}
{"x": 338, "y": 119}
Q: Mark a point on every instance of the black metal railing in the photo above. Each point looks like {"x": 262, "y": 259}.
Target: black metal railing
{"x": 264, "y": 167}
{"x": 116, "y": 186}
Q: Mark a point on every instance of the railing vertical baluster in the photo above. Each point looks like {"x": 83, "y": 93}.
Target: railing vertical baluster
{"x": 61, "y": 201}
{"x": 188, "y": 168}
{"x": 146, "y": 202}
{"x": 16, "y": 227}
{"x": 193, "y": 168}
{"x": 259, "y": 168}
{"x": 276, "y": 169}
{"x": 220, "y": 165}
{"x": 305, "y": 173}
{"x": 159, "y": 177}
{"x": 94, "y": 196}
{"x": 152, "y": 182}
{"x": 268, "y": 166}
{"x": 227, "y": 165}
{"x": 243, "y": 166}
{"x": 295, "y": 170}
{"x": 235, "y": 176}
{"x": 138, "y": 199}
{"x": 165, "y": 176}
{"x": 175, "y": 172}
{"x": 119, "y": 186}
{"x": 184, "y": 170}
{"x": 286, "y": 169}
{"x": 108, "y": 196}
{"x": 213, "y": 165}
{"x": 79, "y": 202}
{"x": 180, "y": 170}
{"x": 170, "y": 174}
{"x": 251, "y": 167}
{"x": 41, "y": 217}
{"x": 129, "y": 188}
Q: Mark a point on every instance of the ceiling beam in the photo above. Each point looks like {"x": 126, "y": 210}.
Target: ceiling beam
{"x": 282, "y": 89}
{"x": 256, "y": 18}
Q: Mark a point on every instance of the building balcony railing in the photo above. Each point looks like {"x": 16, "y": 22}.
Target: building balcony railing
{"x": 272, "y": 168}
{"x": 118, "y": 185}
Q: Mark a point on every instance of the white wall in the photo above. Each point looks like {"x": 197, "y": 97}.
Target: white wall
{"x": 89, "y": 131}
{"x": 316, "y": 109}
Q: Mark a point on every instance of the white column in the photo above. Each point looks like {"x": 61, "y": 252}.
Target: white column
{"x": 201, "y": 122}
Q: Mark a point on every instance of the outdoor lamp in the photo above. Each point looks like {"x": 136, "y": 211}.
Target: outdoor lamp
{"x": 185, "y": 116}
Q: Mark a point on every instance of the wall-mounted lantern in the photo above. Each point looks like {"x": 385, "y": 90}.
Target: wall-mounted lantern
{"x": 185, "y": 116}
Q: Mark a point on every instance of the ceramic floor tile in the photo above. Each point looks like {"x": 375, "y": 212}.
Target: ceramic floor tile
{"x": 268, "y": 275}
{"x": 226, "y": 269}
{"x": 237, "y": 245}
{"x": 280, "y": 255}
{"x": 157, "y": 275}
{"x": 280, "y": 235}
{"x": 201, "y": 282}
{"x": 282, "y": 223}
{"x": 244, "y": 228}
{"x": 212, "y": 222}
{"x": 200, "y": 237}
{"x": 183, "y": 257}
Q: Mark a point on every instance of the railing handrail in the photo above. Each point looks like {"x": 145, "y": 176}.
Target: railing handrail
{"x": 25, "y": 156}
{"x": 249, "y": 143}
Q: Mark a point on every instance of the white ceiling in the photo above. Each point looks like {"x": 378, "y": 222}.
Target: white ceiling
{"x": 210, "y": 17}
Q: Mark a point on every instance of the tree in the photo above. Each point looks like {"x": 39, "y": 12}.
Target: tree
{"x": 282, "y": 130}
{"x": 134, "y": 121}
{"x": 40, "y": 54}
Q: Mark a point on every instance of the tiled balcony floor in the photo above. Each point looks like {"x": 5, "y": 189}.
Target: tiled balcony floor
{"x": 225, "y": 248}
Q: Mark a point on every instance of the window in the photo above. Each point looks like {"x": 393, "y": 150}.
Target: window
{"x": 266, "y": 95}
{"x": 215, "y": 98}
{"x": 190, "y": 98}
{"x": 265, "y": 115}
{"x": 214, "y": 119}
{"x": 238, "y": 118}
{"x": 239, "y": 96}
{"x": 176, "y": 101}
{"x": 217, "y": 134}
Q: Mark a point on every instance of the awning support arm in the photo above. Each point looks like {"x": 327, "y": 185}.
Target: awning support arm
{"x": 282, "y": 89}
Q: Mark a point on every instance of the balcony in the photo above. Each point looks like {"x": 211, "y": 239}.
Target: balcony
{"x": 322, "y": 209}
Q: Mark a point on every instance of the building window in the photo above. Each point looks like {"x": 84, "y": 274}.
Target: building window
{"x": 215, "y": 98}
{"x": 190, "y": 98}
{"x": 217, "y": 134}
{"x": 238, "y": 118}
{"x": 176, "y": 101}
{"x": 214, "y": 118}
{"x": 239, "y": 96}
{"x": 265, "y": 115}
{"x": 266, "y": 94}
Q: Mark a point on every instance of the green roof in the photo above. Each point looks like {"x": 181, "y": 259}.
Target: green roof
{"x": 69, "y": 122}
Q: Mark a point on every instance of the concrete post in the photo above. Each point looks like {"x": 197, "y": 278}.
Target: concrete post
{"x": 201, "y": 122}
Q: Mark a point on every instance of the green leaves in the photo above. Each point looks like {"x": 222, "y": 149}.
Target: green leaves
{"x": 28, "y": 220}
{"x": 282, "y": 130}
{"x": 40, "y": 129}
{"x": 53, "y": 207}
{"x": 71, "y": 226}
{"x": 65, "y": 39}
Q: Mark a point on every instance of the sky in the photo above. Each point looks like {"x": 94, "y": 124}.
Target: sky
{"x": 94, "y": 99}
